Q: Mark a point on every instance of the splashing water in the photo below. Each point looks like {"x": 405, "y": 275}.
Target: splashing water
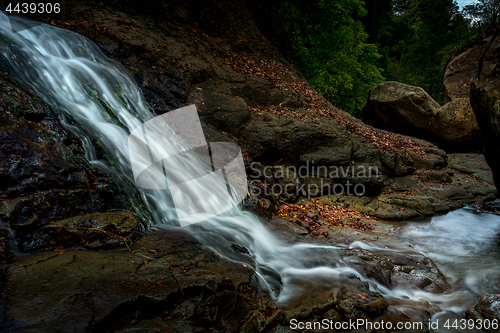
{"x": 465, "y": 245}
{"x": 88, "y": 89}
{"x": 98, "y": 101}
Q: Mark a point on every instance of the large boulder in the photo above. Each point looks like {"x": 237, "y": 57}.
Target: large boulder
{"x": 455, "y": 125}
{"x": 400, "y": 108}
{"x": 485, "y": 100}
{"x": 409, "y": 110}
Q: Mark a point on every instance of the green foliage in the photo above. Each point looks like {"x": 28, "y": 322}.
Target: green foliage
{"x": 416, "y": 38}
{"x": 343, "y": 47}
{"x": 327, "y": 42}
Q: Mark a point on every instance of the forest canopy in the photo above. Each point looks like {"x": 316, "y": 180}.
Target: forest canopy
{"x": 346, "y": 47}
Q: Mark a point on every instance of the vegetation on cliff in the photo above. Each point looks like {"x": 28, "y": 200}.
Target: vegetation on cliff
{"x": 344, "y": 48}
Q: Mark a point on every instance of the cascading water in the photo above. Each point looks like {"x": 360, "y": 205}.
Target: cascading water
{"x": 93, "y": 93}
{"x": 98, "y": 101}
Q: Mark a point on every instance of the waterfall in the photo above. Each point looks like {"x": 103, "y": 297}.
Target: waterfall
{"x": 95, "y": 97}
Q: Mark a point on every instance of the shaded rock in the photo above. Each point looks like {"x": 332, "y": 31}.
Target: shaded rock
{"x": 93, "y": 231}
{"x": 444, "y": 322}
{"x": 225, "y": 112}
{"x": 485, "y": 100}
{"x": 471, "y": 164}
{"x": 356, "y": 301}
{"x": 81, "y": 291}
{"x": 373, "y": 266}
{"x": 390, "y": 207}
{"x": 462, "y": 67}
{"x": 4, "y": 240}
{"x": 44, "y": 174}
{"x": 282, "y": 225}
{"x": 410, "y": 110}
{"x": 328, "y": 156}
{"x": 163, "y": 90}
{"x": 434, "y": 159}
{"x": 455, "y": 126}
{"x": 440, "y": 176}
{"x": 396, "y": 317}
{"x": 400, "y": 108}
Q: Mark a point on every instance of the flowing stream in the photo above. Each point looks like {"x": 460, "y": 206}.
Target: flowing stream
{"x": 82, "y": 85}
{"x": 97, "y": 100}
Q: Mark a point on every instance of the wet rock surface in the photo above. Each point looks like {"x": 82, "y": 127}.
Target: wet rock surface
{"x": 165, "y": 274}
{"x": 98, "y": 274}
{"x": 44, "y": 173}
{"x": 487, "y": 310}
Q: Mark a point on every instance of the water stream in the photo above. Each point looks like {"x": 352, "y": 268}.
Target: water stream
{"x": 82, "y": 85}
{"x": 97, "y": 100}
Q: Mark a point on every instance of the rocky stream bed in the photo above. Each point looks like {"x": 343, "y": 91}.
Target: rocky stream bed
{"x": 80, "y": 251}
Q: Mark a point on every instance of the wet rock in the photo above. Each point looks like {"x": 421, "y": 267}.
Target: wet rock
{"x": 240, "y": 249}
{"x": 44, "y": 175}
{"x": 447, "y": 321}
{"x": 4, "y": 240}
{"x": 393, "y": 269}
{"x": 373, "y": 266}
{"x": 395, "y": 318}
{"x": 488, "y": 309}
{"x": 356, "y": 301}
{"x": 94, "y": 231}
{"x": 164, "y": 90}
{"x": 80, "y": 291}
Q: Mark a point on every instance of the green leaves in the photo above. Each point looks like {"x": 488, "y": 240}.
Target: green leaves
{"x": 326, "y": 41}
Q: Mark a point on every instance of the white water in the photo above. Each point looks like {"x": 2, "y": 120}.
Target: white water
{"x": 465, "y": 245}
{"x": 76, "y": 79}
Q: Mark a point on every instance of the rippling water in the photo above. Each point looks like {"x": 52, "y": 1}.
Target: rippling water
{"x": 465, "y": 245}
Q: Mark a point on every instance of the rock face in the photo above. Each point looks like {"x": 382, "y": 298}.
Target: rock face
{"x": 244, "y": 90}
{"x": 485, "y": 100}
{"x": 409, "y": 110}
{"x": 44, "y": 174}
{"x": 455, "y": 125}
{"x": 400, "y": 108}
{"x": 462, "y": 67}
{"x": 86, "y": 268}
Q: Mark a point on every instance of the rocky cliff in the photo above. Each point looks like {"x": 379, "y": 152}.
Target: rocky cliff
{"x": 74, "y": 226}
{"x": 485, "y": 99}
